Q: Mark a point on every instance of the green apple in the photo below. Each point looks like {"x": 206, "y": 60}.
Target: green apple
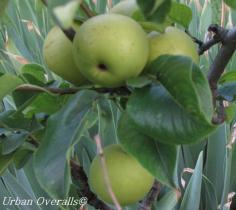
{"x": 57, "y": 51}
{"x": 110, "y": 48}
{"x": 129, "y": 181}
{"x": 125, "y": 7}
{"x": 172, "y": 42}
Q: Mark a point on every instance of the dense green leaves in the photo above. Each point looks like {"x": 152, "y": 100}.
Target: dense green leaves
{"x": 8, "y": 83}
{"x": 64, "y": 128}
{"x": 159, "y": 159}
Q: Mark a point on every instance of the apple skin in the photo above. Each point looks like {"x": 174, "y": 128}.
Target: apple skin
{"x": 57, "y": 51}
{"x": 125, "y": 7}
{"x": 172, "y": 42}
{"x": 110, "y": 48}
{"x": 130, "y": 182}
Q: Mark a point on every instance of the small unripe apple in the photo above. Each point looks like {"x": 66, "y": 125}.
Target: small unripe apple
{"x": 172, "y": 42}
{"x": 57, "y": 51}
{"x": 125, "y": 7}
{"x": 110, "y": 48}
{"x": 129, "y": 181}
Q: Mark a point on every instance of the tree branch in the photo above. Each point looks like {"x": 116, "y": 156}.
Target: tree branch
{"x": 64, "y": 91}
{"x": 79, "y": 175}
{"x": 148, "y": 202}
{"x": 228, "y": 40}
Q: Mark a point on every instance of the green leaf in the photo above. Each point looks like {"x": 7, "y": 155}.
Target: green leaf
{"x": 51, "y": 161}
{"x": 191, "y": 198}
{"x": 215, "y": 162}
{"x": 5, "y": 161}
{"x": 186, "y": 84}
{"x": 18, "y": 190}
{"x": 209, "y": 194}
{"x": 8, "y": 83}
{"x": 157, "y": 115}
{"x": 228, "y": 77}
{"x": 107, "y": 121}
{"x": 231, "y": 3}
{"x": 45, "y": 103}
{"x": 12, "y": 141}
{"x": 21, "y": 157}
{"x": 138, "y": 82}
{"x": 181, "y": 14}
{"x": 159, "y": 159}
{"x": 228, "y": 91}
{"x": 155, "y": 10}
{"x": 17, "y": 120}
{"x": 168, "y": 201}
{"x": 34, "y": 73}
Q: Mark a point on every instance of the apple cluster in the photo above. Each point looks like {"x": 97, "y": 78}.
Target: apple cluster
{"x": 107, "y": 50}
{"x": 111, "y": 48}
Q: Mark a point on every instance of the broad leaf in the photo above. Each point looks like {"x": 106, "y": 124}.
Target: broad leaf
{"x": 159, "y": 159}
{"x": 34, "y": 73}
{"x": 8, "y": 83}
{"x": 51, "y": 161}
{"x": 157, "y": 115}
{"x": 186, "y": 84}
{"x": 181, "y": 14}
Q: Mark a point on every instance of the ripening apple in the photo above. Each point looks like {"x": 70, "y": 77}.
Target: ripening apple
{"x": 57, "y": 51}
{"x": 110, "y": 48}
{"x": 172, "y": 42}
{"x": 129, "y": 181}
{"x": 125, "y": 7}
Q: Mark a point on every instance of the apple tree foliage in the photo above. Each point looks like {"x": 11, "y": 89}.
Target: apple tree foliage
{"x": 170, "y": 105}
